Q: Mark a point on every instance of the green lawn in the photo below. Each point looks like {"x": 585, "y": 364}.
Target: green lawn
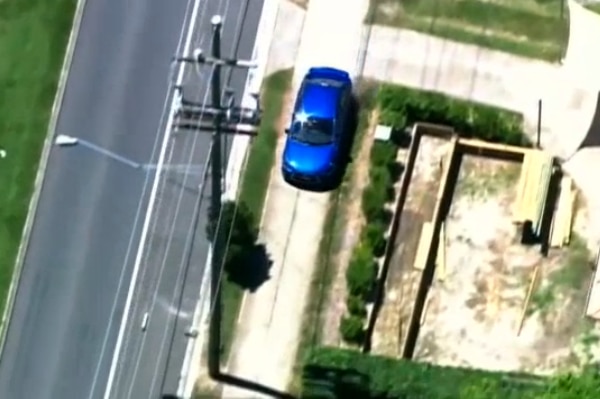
{"x": 255, "y": 181}
{"x": 530, "y": 28}
{"x": 33, "y": 39}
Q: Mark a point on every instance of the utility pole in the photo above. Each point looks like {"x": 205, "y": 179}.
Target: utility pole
{"x": 218, "y": 119}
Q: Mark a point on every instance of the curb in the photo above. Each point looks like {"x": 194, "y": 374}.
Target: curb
{"x": 238, "y": 154}
{"x": 41, "y": 172}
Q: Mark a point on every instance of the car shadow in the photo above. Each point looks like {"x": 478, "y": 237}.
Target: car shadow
{"x": 345, "y": 150}
{"x": 254, "y": 271}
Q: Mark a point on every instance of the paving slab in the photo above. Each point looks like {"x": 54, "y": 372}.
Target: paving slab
{"x": 270, "y": 322}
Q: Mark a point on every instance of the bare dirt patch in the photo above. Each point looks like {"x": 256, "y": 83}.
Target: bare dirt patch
{"x": 353, "y": 223}
{"x": 403, "y": 279}
{"x": 473, "y": 314}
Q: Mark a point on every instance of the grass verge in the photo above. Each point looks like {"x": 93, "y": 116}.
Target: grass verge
{"x": 255, "y": 182}
{"x": 33, "y": 41}
{"x": 530, "y": 28}
{"x": 334, "y": 226}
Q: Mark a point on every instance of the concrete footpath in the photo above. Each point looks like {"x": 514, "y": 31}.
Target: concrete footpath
{"x": 265, "y": 347}
{"x": 487, "y": 76}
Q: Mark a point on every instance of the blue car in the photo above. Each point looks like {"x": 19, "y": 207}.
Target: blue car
{"x": 315, "y": 147}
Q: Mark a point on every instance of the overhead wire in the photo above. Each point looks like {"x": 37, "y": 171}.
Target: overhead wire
{"x": 219, "y": 224}
{"x": 176, "y": 211}
{"x": 146, "y": 185}
{"x": 190, "y": 233}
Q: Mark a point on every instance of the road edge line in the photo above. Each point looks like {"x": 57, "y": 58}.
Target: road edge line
{"x": 239, "y": 151}
{"x": 151, "y": 202}
{"x": 41, "y": 173}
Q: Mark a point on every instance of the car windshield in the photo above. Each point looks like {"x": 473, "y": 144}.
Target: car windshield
{"x": 315, "y": 131}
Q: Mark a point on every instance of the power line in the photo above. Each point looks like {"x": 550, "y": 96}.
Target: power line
{"x": 219, "y": 119}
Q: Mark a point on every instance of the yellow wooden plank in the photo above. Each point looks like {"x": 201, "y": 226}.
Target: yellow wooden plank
{"x": 556, "y": 237}
{"x": 529, "y": 171}
{"x": 518, "y": 203}
{"x": 532, "y": 171}
{"x": 424, "y": 242}
{"x": 541, "y": 189}
{"x": 530, "y": 196}
{"x": 440, "y": 270}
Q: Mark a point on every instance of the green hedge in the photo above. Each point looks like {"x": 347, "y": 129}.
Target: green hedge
{"x": 402, "y": 106}
{"x": 362, "y": 270}
{"x": 331, "y": 373}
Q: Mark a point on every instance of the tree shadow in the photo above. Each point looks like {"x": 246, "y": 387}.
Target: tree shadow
{"x": 253, "y": 270}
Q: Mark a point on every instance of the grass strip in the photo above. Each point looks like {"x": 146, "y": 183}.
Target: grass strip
{"x": 526, "y": 28}
{"x": 333, "y": 233}
{"x": 255, "y": 182}
{"x": 32, "y": 47}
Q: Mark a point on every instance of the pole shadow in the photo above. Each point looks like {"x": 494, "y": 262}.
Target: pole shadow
{"x": 229, "y": 379}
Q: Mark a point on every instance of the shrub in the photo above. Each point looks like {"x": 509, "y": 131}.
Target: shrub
{"x": 356, "y": 306}
{"x": 383, "y": 377}
{"x": 381, "y": 178}
{"x": 383, "y": 153}
{"x": 374, "y": 235}
{"x": 237, "y": 228}
{"x": 236, "y": 221}
{"x": 402, "y": 106}
{"x": 373, "y": 200}
{"x": 361, "y": 272}
{"x": 352, "y": 329}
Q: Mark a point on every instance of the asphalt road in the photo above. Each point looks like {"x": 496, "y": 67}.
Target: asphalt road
{"x": 174, "y": 263}
{"x": 79, "y": 245}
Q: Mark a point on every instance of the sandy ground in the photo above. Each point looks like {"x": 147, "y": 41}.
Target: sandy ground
{"x": 473, "y": 314}
{"x": 402, "y": 280}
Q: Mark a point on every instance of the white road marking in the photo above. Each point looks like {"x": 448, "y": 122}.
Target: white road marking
{"x": 151, "y": 202}
{"x": 130, "y": 245}
{"x": 145, "y": 321}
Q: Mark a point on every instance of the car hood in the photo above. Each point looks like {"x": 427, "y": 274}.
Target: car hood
{"x": 307, "y": 158}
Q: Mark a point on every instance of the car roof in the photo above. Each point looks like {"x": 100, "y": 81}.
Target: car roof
{"x": 319, "y": 98}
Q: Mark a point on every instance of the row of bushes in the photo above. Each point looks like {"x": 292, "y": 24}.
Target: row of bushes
{"x": 402, "y": 106}
{"x": 331, "y": 373}
{"x": 362, "y": 270}
{"x": 337, "y": 373}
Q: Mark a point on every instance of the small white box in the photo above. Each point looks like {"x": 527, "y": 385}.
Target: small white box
{"x": 383, "y": 133}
